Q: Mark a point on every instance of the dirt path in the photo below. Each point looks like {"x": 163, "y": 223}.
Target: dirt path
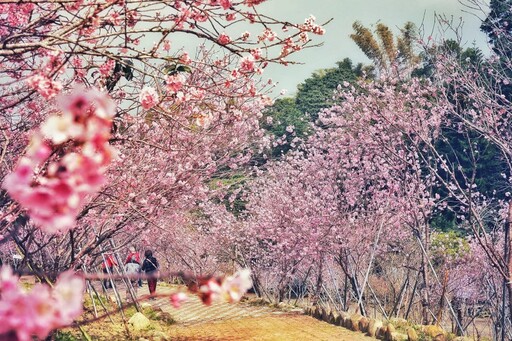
{"x": 275, "y": 328}
{"x": 223, "y": 321}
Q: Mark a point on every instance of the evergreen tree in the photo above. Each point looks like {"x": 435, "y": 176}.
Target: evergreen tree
{"x": 290, "y": 118}
{"x": 498, "y": 26}
{"x": 285, "y": 122}
{"x": 317, "y": 91}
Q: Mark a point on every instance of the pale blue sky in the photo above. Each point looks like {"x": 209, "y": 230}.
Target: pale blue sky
{"x": 337, "y": 43}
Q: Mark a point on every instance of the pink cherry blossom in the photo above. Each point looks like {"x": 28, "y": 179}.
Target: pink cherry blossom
{"x": 174, "y": 83}
{"x": 67, "y": 293}
{"x": 185, "y": 58}
{"x": 267, "y": 34}
{"x": 210, "y": 291}
{"x": 148, "y": 97}
{"x": 256, "y": 53}
{"x": 53, "y": 197}
{"x": 203, "y": 120}
{"x": 107, "y": 67}
{"x": 57, "y": 153}
{"x": 247, "y": 64}
{"x": 230, "y": 288}
{"x": 245, "y": 36}
{"x": 253, "y": 2}
{"x": 226, "y": 4}
{"x": 167, "y": 45}
{"x": 223, "y": 39}
{"x": 234, "y": 287}
{"x": 44, "y": 86}
{"x": 59, "y": 129}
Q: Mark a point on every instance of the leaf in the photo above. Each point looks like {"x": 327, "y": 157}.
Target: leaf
{"x": 184, "y": 68}
{"x": 172, "y": 69}
{"x": 114, "y": 77}
{"x": 127, "y": 69}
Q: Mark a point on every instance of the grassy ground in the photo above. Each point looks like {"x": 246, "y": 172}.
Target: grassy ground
{"x": 115, "y": 326}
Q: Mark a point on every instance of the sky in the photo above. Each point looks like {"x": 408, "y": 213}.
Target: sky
{"x": 337, "y": 44}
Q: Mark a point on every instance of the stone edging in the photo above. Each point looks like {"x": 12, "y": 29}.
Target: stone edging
{"x": 378, "y": 329}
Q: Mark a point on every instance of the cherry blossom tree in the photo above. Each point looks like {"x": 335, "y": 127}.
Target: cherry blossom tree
{"x": 354, "y": 190}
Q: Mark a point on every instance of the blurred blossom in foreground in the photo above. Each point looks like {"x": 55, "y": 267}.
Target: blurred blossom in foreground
{"x": 65, "y": 161}
{"x": 230, "y": 288}
{"x": 42, "y": 309}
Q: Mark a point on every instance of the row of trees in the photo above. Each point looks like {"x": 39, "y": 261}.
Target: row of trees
{"x": 353, "y": 209}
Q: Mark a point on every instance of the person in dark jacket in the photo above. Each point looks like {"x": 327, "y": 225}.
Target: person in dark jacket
{"x": 150, "y": 267}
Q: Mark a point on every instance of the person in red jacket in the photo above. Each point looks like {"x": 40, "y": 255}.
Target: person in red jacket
{"x": 132, "y": 269}
{"x": 108, "y": 267}
{"x": 133, "y": 256}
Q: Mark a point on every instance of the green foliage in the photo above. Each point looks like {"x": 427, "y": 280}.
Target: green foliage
{"x": 122, "y": 68}
{"x": 153, "y": 314}
{"x": 476, "y": 161}
{"x": 284, "y": 113}
{"x": 316, "y": 92}
{"x": 235, "y": 179}
{"x": 88, "y": 304}
{"x": 64, "y": 336}
{"x": 477, "y": 165}
{"x": 405, "y": 42}
{"x": 365, "y": 40}
{"x": 234, "y": 184}
{"x": 444, "y": 221}
{"x": 469, "y": 57}
{"x": 448, "y": 246}
{"x": 291, "y": 118}
{"x": 498, "y": 27}
{"x": 172, "y": 69}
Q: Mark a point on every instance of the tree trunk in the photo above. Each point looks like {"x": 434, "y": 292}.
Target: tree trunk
{"x": 411, "y": 300}
{"x": 457, "y": 306}
{"x": 319, "y": 281}
{"x": 508, "y": 260}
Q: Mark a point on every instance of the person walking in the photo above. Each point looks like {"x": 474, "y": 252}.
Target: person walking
{"x": 108, "y": 268}
{"x": 132, "y": 269}
{"x": 150, "y": 268}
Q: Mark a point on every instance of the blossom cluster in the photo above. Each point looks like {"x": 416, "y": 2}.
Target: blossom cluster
{"x": 44, "y": 86}
{"x": 42, "y": 309}
{"x": 65, "y": 160}
{"x": 224, "y": 39}
{"x": 148, "y": 97}
{"x": 310, "y": 26}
